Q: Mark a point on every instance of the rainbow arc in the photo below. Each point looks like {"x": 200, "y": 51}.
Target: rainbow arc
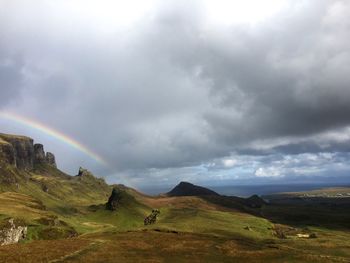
{"x": 53, "y": 133}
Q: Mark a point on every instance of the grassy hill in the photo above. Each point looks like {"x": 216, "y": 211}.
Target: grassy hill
{"x": 68, "y": 222}
{"x": 46, "y": 193}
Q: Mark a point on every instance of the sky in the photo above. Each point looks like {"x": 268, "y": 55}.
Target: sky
{"x": 214, "y": 92}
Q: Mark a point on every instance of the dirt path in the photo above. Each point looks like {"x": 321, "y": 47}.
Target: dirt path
{"x": 76, "y": 254}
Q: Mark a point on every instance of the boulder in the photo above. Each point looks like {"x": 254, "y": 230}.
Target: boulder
{"x": 12, "y": 231}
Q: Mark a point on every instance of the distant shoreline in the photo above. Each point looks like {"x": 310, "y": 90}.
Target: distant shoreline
{"x": 248, "y": 190}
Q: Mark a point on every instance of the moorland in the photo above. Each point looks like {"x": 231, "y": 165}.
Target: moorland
{"x": 49, "y": 216}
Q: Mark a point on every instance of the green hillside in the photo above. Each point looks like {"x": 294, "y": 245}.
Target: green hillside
{"x": 47, "y": 194}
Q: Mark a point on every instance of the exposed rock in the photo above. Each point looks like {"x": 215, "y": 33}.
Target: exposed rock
{"x": 39, "y": 154}
{"x": 12, "y": 231}
{"x": 152, "y": 218}
{"x": 7, "y": 153}
{"x": 114, "y": 200}
{"x": 20, "y": 152}
{"x": 188, "y": 189}
{"x": 83, "y": 172}
{"x": 50, "y": 159}
{"x": 23, "y": 151}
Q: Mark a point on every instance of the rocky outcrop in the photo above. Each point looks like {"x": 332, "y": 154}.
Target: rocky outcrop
{"x": 39, "y": 154}
{"x": 188, "y": 189}
{"x": 114, "y": 200}
{"x": 152, "y": 218}
{"x": 12, "y": 231}
{"x": 50, "y": 159}
{"x": 20, "y": 152}
{"x": 83, "y": 172}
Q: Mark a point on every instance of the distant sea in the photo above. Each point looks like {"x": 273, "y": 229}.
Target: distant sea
{"x": 248, "y": 190}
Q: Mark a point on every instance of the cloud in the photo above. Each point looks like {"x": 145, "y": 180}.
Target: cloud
{"x": 10, "y": 79}
{"x": 229, "y": 162}
{"x": 267, "y": 172}
{"x": 170, "y": 89}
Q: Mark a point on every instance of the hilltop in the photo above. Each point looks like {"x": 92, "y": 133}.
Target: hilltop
{"x": 188, "y": 189}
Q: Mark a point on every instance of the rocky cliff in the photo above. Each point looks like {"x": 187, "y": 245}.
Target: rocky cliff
{"x": 21, "y": 152}
{"x": 7, "y": 153}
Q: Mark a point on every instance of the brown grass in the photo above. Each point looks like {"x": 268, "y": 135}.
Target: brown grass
{"x": 41, "y": 251}
{"x": 20, "y": 205}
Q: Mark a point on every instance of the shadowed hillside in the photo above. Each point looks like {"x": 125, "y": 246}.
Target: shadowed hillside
{"x": 188, "y": 189}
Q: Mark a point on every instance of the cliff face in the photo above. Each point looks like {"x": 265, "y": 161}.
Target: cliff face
{"x": 20, "y": 152}
{"x": 7, "y": 153}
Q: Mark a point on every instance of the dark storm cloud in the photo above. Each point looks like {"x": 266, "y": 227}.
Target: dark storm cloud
{"x": 175, "y": 91}
{"x": 282, "y": 80}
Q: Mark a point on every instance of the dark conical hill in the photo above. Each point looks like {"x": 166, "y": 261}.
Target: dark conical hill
{"x": 188, "y": 189}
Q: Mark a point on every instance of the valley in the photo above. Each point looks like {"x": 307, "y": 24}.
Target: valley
{"x": 67, "y": 219}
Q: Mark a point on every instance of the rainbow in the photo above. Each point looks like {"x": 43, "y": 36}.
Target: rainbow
{"x": 53, "y": 133}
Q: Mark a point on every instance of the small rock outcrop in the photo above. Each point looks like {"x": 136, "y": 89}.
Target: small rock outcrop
{"x": 188, "y": 189}
{"x": 50, "y": 159}
{"x": 114, "y": 200}
{"x": 12, "y": 231}
{"x": 83, "y": 172}
{"x": 152, "y": 218}
{"x": 20, "y": 152}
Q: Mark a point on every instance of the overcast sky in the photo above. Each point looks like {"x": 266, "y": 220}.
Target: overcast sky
{"x": 212, "y": 92}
